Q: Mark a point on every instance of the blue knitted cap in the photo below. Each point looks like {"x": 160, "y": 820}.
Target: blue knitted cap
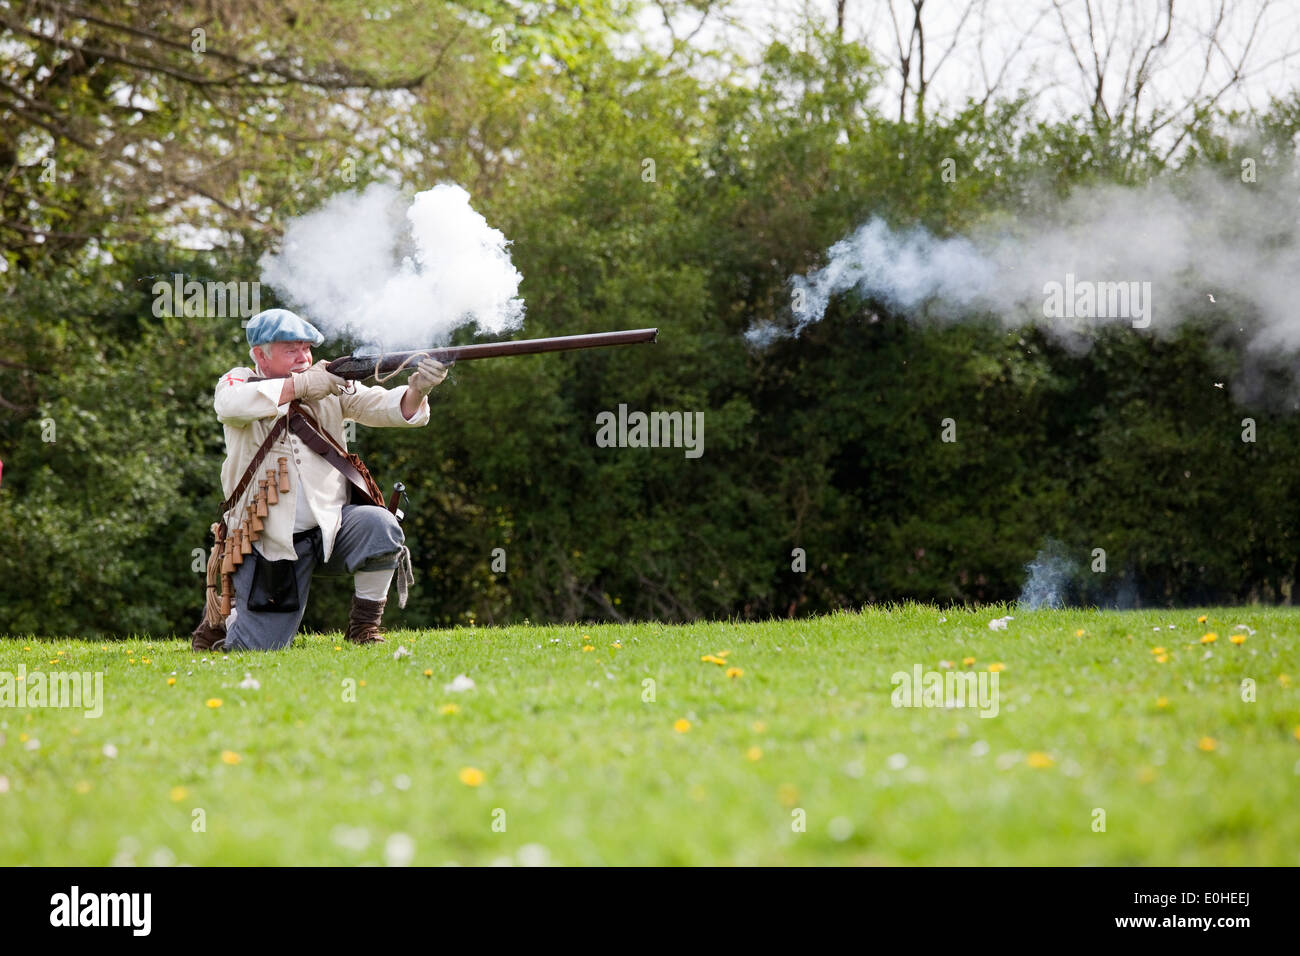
{"x": 281, "y": 325}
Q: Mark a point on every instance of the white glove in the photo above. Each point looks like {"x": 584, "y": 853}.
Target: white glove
{"x": 317, "y": 382}
{"x": 427, "y": 375}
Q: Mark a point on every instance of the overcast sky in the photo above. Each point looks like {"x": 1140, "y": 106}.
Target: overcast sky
{"x": 969, "y": 42}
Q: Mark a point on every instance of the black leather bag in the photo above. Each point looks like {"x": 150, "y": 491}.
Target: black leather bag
{"x": 275, "y": 585}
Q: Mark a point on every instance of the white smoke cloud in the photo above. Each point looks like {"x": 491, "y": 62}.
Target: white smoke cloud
{"x": 395, "y": 275}
{"x": 1191, "y": 245}
{"x": 1049, "y": 578}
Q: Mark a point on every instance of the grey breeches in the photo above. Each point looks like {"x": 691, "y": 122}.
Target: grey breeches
{"x": 368, "y": 540}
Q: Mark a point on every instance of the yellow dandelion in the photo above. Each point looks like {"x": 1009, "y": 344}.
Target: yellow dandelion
{"x": 1207, "y": 744}
{"x": 178, "y": 794}
{"x": 1209, "y": 638}
{"x": 171, "y": 682}
{"x": 27, "y": 648}
{"x": 994, "y": 668}
{"x": 1297, "y": 733}
{"x": 1202, "y": 619}
{"x": 1146, "y": 775}
{"x": 1238, "y": 638}
{"x": 55, "y": 660}
{"x": 84, "y": 786}
{"x": 753, "y": 753}
{"x": 1162, "y": 659}
{"x": 129, "y": 660}
{"x": 363, "y": 684}
{"x": 1039, "y": 760}
{"x": 722, "y": 654}
{"x": 145, "y": 660}
{"x": 586, "y": 648}
{"x": 1162, "y": 701}
{"x": 230, "y": 757}
{"x": 449, "y": 709}
{"x": 1157, "y": 650}
{"x": 214, "y": 702}
{"x": 967, "y": 661}
{"x": 337, "y": 647}
{"x": 682, "y": 725}
{"x": 1284, "y": 680}
{"x": 471, "y": 776}
{"x": 428, "y": 672}
{"x": 758, "y": 727}
{"x": 22, "y": 738}
{"x": 616, "y": 644}
{"x": 788, "y": 794}
{"x": 713, "y": 659}
{"x": 734, "y": 672}
{"x": 1079, "y": 633}
{"x": 60, "y": 653}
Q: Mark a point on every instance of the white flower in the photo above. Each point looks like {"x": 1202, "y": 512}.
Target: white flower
{"x": 459, "y": 683}
{"x": 533, "y": 854}
{"x": 4, "y": 784}
{"x": 400, "y": 653}
{"x": 399, "y": 850}
{"x": 840, "y": 829}
{"x": 33, "y": 744}
{"x": 249, "y": 682}
{"x": 897, "y": 762}
{"x": 110, "y": 751}
{"x": 355, "y": 839}
{"x": 1244, "y": 627}
{"x": 1000, "y": 623}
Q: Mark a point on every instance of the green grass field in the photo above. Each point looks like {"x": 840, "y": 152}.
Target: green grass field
{"x": 564, "y": 754}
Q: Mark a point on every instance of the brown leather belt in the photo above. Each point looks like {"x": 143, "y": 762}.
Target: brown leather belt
{"x": 305, "y": 426}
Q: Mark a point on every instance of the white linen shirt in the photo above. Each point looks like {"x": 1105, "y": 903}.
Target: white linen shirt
{"x": 249, "y": 410}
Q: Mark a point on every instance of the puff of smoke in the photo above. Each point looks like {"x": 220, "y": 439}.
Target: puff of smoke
{"x": 392, "y": 274}
{"x": 1208, "y": 245}
{"x": 1050, "y": 576}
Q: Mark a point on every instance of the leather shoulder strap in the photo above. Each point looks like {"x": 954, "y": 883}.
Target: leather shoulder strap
{"x": 306, "y": 427}
{"x": 276, "y": 430}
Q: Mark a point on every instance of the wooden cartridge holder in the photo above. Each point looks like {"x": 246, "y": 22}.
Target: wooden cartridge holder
{"x": 229, "y": 547}
{"x": 236, "y": 541}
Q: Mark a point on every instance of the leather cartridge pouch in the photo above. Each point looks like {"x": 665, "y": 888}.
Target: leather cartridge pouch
{"x": 275, "y": 585}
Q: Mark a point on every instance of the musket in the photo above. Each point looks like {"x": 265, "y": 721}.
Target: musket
{"x": 364, "y": 366}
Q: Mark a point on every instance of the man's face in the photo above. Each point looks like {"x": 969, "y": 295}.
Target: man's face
{"x": 281, "y": 358}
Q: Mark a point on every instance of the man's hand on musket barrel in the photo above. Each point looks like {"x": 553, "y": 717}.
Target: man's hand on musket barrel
{"x": 317, "y": 382}
{"x": 428, "y": 375}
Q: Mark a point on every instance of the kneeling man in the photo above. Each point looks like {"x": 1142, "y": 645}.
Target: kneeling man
{"x": 312, "y": 524}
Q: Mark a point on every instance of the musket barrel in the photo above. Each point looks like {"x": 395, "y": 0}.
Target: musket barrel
{"x": 355, "y": 367}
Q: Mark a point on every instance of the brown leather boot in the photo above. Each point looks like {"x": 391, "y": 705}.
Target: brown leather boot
{"x": 363, "y": 623}
{"x": 205, "y": 638}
